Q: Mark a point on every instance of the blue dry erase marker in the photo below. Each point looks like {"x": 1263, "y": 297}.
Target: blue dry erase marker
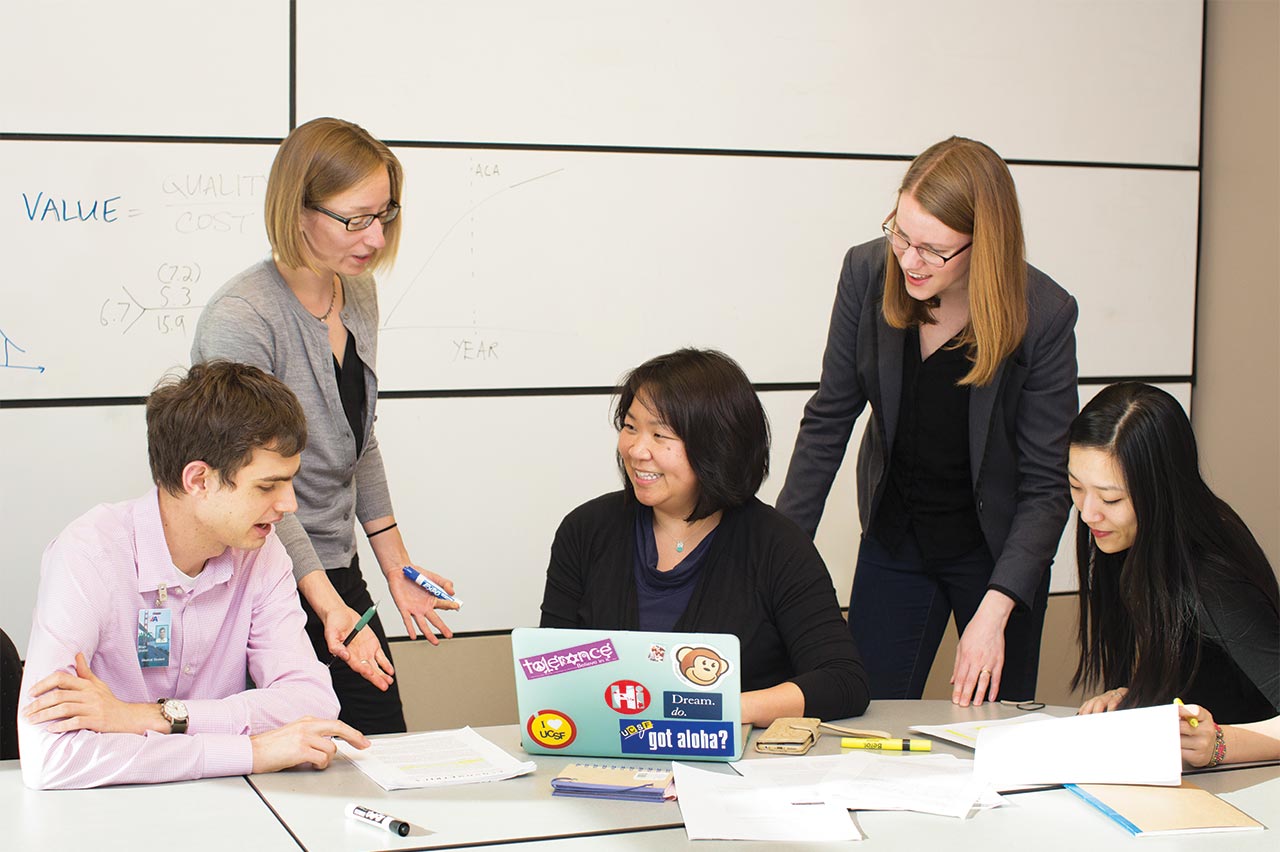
{"x": 431, "y": 587}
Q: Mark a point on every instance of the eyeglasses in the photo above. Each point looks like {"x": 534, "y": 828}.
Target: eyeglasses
{"x": 359, "y": 223}
{"x": 929, "y": 256}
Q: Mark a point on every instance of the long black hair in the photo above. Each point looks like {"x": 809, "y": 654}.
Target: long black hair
{"x": 1140, "y": 610}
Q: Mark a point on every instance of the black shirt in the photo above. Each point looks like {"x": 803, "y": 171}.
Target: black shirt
{"x": 350, "y": 376}
{"x": 929, "y": 492}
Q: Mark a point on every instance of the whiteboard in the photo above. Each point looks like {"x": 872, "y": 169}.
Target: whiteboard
{"x": 123, "y": 242}
{"x": 145, "y": 67}
{"x": 1080, "y": 80}
{"x": 527, "y": 269}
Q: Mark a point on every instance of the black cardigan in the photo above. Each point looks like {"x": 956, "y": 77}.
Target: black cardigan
{"x": 762, "y": 581}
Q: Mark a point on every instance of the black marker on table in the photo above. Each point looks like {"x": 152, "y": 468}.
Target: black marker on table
{"x": 371, "y": 817}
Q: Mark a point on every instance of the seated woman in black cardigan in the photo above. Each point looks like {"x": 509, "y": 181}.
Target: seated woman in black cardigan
{"x": 686, "y": 546}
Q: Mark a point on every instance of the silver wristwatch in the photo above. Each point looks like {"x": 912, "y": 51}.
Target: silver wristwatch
{"x": 175, "y": 713}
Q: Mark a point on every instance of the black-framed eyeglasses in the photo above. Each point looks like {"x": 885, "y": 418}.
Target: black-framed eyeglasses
{"x": 359, "y": 223}
{"x": 929, "y": 256}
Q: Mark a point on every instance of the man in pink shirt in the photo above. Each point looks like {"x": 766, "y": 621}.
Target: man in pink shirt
{"x": 151, "y": 613}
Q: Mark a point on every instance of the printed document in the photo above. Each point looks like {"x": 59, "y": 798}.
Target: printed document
{"x": 434, "y": 759}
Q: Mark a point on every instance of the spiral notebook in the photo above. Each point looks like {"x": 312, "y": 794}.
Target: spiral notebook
{"x": 615, "y": 781}
{"x": 628, "y": 693}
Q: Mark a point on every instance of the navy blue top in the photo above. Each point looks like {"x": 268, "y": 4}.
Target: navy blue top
{"x": 663, "y": 596}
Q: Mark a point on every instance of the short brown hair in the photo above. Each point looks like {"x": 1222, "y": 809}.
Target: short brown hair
{"x": 708, "y": 401}
{"x": 315, "y": 162}
{"x": 219, "y": 413}
{"x": 967, "y": 187}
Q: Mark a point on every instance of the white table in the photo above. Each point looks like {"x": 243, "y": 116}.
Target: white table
{"x": 216, "y": 814}
{"x": 303, "y": 809}
{"x": 524, "y": 809}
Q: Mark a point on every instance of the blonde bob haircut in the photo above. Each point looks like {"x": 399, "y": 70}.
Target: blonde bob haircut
{"x": 318, "y": 160}
{"x": 967, "y": 187}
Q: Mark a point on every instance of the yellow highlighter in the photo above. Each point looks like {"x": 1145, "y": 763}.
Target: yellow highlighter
{"x": 879, "y": 744}
{"x": 1193, "y": 721}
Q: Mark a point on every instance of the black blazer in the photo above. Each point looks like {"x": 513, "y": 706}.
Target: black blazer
{"x": 1017, "y": 424}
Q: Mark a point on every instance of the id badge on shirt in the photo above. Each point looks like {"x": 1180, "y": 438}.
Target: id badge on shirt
{"x": 155, "y": 628}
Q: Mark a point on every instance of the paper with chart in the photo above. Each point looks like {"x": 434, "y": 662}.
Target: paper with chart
{"x": 966, "y": 733}
{"x": 434, "y": 759}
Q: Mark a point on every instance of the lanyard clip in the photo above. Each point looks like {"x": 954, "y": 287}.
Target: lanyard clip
{"x": 162, "y": 594}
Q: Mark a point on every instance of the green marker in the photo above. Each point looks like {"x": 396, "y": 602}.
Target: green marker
{"x": 360, "y": 625}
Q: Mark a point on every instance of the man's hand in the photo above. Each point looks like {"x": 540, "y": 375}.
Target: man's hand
{"x": 83, "y": 702}
{"x": 304, "y": 742}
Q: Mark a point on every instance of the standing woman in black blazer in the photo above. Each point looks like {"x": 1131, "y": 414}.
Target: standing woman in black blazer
{"x": 967, "y": 357}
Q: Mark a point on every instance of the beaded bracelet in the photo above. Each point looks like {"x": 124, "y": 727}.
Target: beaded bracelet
{"x": 381, "y": 531}
{"x": 1219, "y": 746}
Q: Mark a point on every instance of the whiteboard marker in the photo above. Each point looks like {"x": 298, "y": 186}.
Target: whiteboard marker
{"x": 371, "y": 817}
{"x": 431, "y": 587}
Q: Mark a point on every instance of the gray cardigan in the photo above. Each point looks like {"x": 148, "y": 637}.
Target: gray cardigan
{"x": 256, "y": 319}
{"x": 1017, "y": 424}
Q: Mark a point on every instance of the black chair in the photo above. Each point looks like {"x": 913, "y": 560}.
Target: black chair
{"x": 10, "y": 684}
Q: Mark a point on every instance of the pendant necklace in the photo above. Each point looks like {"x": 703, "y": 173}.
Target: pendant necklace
{"x": 333, "y": 300}
{"x": 679, "y": 542}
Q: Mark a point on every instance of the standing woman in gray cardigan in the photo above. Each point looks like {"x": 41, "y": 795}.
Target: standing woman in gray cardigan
{"x": 309, "y": 315}
{"x": 967, "y": 357}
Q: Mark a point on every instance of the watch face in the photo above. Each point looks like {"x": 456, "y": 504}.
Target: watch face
{"x": 175, "y": 710}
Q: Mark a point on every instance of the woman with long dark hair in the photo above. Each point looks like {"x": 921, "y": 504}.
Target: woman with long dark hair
{"x": 1176, "y": 597}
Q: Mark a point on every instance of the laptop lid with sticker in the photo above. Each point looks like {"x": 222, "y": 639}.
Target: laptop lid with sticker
{"x": 623, "y": 693}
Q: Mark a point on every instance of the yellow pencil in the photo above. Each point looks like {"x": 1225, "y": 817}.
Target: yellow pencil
{"x": 1195, "y": 723}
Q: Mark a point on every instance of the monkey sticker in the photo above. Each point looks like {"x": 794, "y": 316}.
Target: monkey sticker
{"x": 700, "y": 665}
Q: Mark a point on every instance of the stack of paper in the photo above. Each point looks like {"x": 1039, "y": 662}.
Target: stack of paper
{"x": 928, "y": 783}
{"x": 435, "y": 759}
{"x": 721, "y": 806}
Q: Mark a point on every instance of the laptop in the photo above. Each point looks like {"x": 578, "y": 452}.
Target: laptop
{"x": 622, "y": 693}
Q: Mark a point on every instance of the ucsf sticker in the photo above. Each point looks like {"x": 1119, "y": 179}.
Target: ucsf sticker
{"x": 551, "y": 729}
